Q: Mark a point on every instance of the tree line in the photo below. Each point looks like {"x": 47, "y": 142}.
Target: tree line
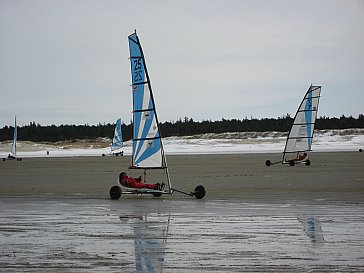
{"x": 182, "y": 127}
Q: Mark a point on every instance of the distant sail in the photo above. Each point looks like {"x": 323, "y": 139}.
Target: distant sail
{"x": 147, "y": 144}
{"x": 301, "y": 134}
{"x": 117, "y": 141}
{"x": 13, "y": 148}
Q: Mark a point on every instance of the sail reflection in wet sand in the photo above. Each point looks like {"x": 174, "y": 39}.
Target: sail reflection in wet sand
{"x": 312, "y": 228}
{"x": 150, "y": 235}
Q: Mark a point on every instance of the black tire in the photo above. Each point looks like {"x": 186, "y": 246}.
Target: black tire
{"x": 292, "y": 163}
{"x": 3, "y": 159}
{"x": 115, "y": 192}
{"x": 268, "y": 163}
{"x": 199, "y": 192}
{"x": 157, "y": 194}
{"x": 103, "y": 154}
{"x": 360, "y": 150}
{"x": 308, "y": 162}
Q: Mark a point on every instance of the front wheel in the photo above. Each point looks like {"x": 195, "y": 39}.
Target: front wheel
{"x": 268, "y": 163}
{"x": 115, "y": 192}
{"x": 308, "y": 162}
{"x": 199, "y": 192}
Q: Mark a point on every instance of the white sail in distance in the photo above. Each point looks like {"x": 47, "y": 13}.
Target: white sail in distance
{"x": 301, "y": 133}
{"x": 15, "y": 136}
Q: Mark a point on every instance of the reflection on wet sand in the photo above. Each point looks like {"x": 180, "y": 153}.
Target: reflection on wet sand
{"x": 147, "y": 235}
{"x": 150, "y": 235}
{"x": 312, "y": 228}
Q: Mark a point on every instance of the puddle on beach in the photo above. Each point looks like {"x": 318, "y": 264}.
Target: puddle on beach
{"x": 148, "y": 235}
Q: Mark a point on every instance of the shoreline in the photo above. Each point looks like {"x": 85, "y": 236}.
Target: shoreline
{"x": 90, "y": 152}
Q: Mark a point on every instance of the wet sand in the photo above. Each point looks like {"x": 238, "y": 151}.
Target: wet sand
{"x": 150, "y": 235}
{"x": 56, "y": 216}
{"x": 243, "y": 177}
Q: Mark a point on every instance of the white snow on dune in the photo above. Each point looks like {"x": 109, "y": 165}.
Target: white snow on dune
{"x": 225, "y": 143}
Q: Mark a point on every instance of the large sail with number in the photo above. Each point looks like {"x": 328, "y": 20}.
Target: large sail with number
{"x": 147, "y": 144}
{"x": 117, "y": 141}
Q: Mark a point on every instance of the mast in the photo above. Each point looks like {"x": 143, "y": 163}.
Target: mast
{"x": 13, "y": 148}
{"x": 301, "y": 134}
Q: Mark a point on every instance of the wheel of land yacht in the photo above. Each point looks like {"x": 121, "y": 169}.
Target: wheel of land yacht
{"x": 3, "y": 159}
{"x": 115, "y": 192}
{"x": 292, "y": 163}
{"x": 157, "y": 194}
{"x": 308, "y": 162}
{"x": 268, "y": 163}
{"x": 360, "y": 150}
{"x": 199, "y": 192}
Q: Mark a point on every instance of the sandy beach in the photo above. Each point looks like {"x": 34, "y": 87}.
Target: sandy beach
{"x": 56, "y": 216}
{"x": 243, "y": 177}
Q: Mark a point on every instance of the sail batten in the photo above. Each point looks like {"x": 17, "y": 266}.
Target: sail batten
{"x": 143, "y": 110}
{"x": 301, "y": 134}
{"x": 147, "y": 138}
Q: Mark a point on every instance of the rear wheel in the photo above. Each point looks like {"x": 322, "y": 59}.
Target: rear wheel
{"x": 308, "y": 162}
{"x": 199, "y": 192}
{"x": 268, "y": 163}
{"x": 115, "y": 192}
{"x": 292, "y": 163}
{"x": 157, "y": 194}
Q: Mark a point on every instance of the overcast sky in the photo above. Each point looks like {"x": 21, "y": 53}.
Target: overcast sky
{"x": 66, "y": 62}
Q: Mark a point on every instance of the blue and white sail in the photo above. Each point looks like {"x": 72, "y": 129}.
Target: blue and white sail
{"x": 301, "y": 134}
{"x": 147, "y": 143}
{"x": 117, "y": 141}
{"x": 15, "y": 136}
